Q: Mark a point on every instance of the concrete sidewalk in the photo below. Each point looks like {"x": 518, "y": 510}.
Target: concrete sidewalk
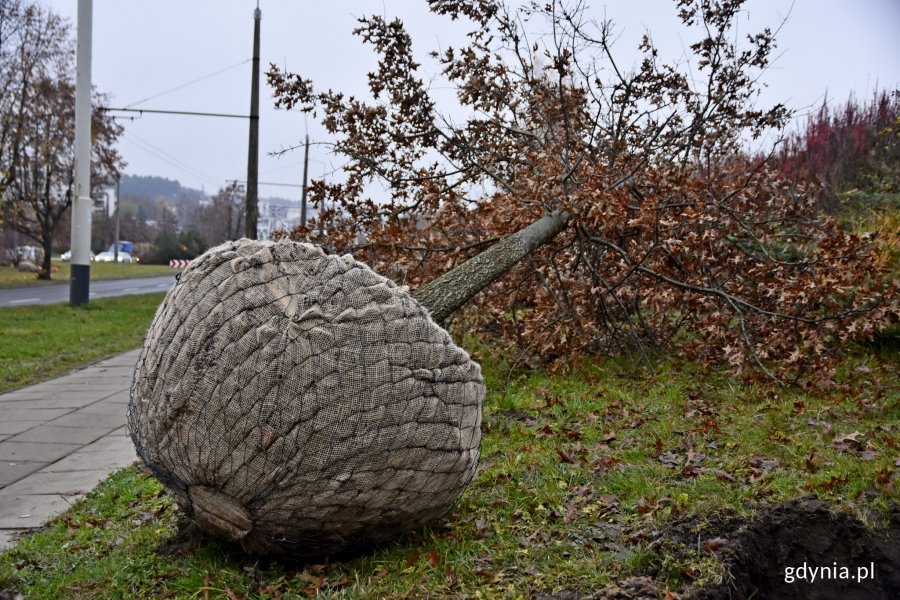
{"x": 58, "y": 439}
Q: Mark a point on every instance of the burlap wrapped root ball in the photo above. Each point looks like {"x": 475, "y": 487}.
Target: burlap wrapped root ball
{"x": 301, "y": 404}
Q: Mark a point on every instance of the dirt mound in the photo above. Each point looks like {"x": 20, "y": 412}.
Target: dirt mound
{"x": 801, "y": 549}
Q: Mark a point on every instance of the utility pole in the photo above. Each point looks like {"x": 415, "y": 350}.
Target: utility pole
{"x": 303, "y": 194}
{"x": 253, "y": 154}
{"x": 80, "y": 283}
{"x": 118, "y": 200}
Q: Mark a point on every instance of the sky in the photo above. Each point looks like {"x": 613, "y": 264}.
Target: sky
{"x": 195, "y": 56}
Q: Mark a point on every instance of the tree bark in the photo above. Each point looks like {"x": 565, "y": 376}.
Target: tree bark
{"x": 47, "y": 262}
{"x": 453, "y": 289}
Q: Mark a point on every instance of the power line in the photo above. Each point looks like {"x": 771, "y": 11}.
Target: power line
{"x": 295, "y": 185}
{"x": 172, "y": 112}
{"x": 166, "y": 157}
{"x": 168, "y": 161}
{"x": 192, "y": 82}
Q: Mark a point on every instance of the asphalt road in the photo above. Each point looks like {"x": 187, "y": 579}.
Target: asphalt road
{"x": 59, "y": 292}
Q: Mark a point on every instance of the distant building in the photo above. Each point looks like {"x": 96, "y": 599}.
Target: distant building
{"x": 279, "y": 213}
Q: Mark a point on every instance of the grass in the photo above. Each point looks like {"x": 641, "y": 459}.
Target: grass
{"x": 11, "y": 277}
{"x": 40, "y": 342}
{"x": 579, "y": 471}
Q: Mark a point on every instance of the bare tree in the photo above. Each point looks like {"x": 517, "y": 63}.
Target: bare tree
{"x": 223, "y": 218}
{"x": 37, "y": 117}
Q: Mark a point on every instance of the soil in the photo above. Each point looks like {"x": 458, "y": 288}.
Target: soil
{"x": 757, "y": 553}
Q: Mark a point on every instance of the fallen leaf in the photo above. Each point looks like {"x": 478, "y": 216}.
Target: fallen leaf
{"x": 305, "y": 576}
{"x": 811, "y": 463}
{"x": 647, "y": 505}
{"x": 604, "y": 463}
{"x": 868, "y": 453}
{"x": 695, "y": 458}
{"x": 762, "y": 465}
{"x": 270, "y": 590}
{"x": 824, "y": 425}
{"x": 481, "y": 530}
{"x": 759, "y": 466}
{"x": 690, "y": 471}
{"x": 670, "y": 459}
{"x": 566, "y": 457}
{"x": 713, "y": 544}
{"x": 850, "y": 438}
{"x": 829, "y": 485}
{"x": 434, "y": 558}
{"x": 720, "y": 474}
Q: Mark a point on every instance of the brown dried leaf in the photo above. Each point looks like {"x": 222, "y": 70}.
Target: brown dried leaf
{"x": 670, "y": 459}
{"x": 713, "y": 544}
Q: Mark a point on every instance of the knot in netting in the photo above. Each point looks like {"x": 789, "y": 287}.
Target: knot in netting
{"x": 301, "y": 404}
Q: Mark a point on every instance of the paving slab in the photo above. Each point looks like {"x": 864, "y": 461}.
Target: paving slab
{"x": 8, "y": 537}
{"x": 26, "y": 511}
{"x": 23, "y": 394}
{"x": 65, "y": 483}
{"x": 34, "y": 451}
{"x": 123, "y": 430}
{"x": 110, "y": 443}
{"x": 108, "y": 405}
{"x": 111, "y": 420}
{"x": 12, "y": 428}
{"x": 70, "y": 435}
{"x": 11, "y": 472}
{"x": 73, "y": 401}
{"x": 33, "y": 414}
{"x": 95, "y": 391}
{"x": 110, "y": 460}
{"x": 58, "y": 439}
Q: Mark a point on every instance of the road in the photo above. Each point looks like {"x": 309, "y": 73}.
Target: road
{"x": 59, "y": 292}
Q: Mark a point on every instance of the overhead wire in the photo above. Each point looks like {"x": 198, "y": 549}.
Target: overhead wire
{"x": 157, "y": 152}
{"x": 189, "y": 83}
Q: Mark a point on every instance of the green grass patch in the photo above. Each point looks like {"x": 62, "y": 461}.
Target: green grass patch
{"x": 11, "y": 277}
{"x": 40, "y": 342}
{"x": 580, "y": 472}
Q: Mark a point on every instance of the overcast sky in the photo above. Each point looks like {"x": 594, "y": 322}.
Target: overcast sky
{"x": 143, "y": 49}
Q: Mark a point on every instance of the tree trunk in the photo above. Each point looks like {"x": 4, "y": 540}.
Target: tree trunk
{"x": 453, "y": 289}
{"x": 47, "y": 264}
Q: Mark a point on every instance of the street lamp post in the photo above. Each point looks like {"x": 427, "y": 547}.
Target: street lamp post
{"x": 80, "y": 284}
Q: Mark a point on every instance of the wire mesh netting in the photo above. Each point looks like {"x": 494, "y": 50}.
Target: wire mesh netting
{"x": 301, "y": 404}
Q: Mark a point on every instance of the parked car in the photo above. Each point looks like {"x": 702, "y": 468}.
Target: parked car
{"x": 127, "y": 247}
{"x": 67, "y": 256}
{"x": 124, "y": 257}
